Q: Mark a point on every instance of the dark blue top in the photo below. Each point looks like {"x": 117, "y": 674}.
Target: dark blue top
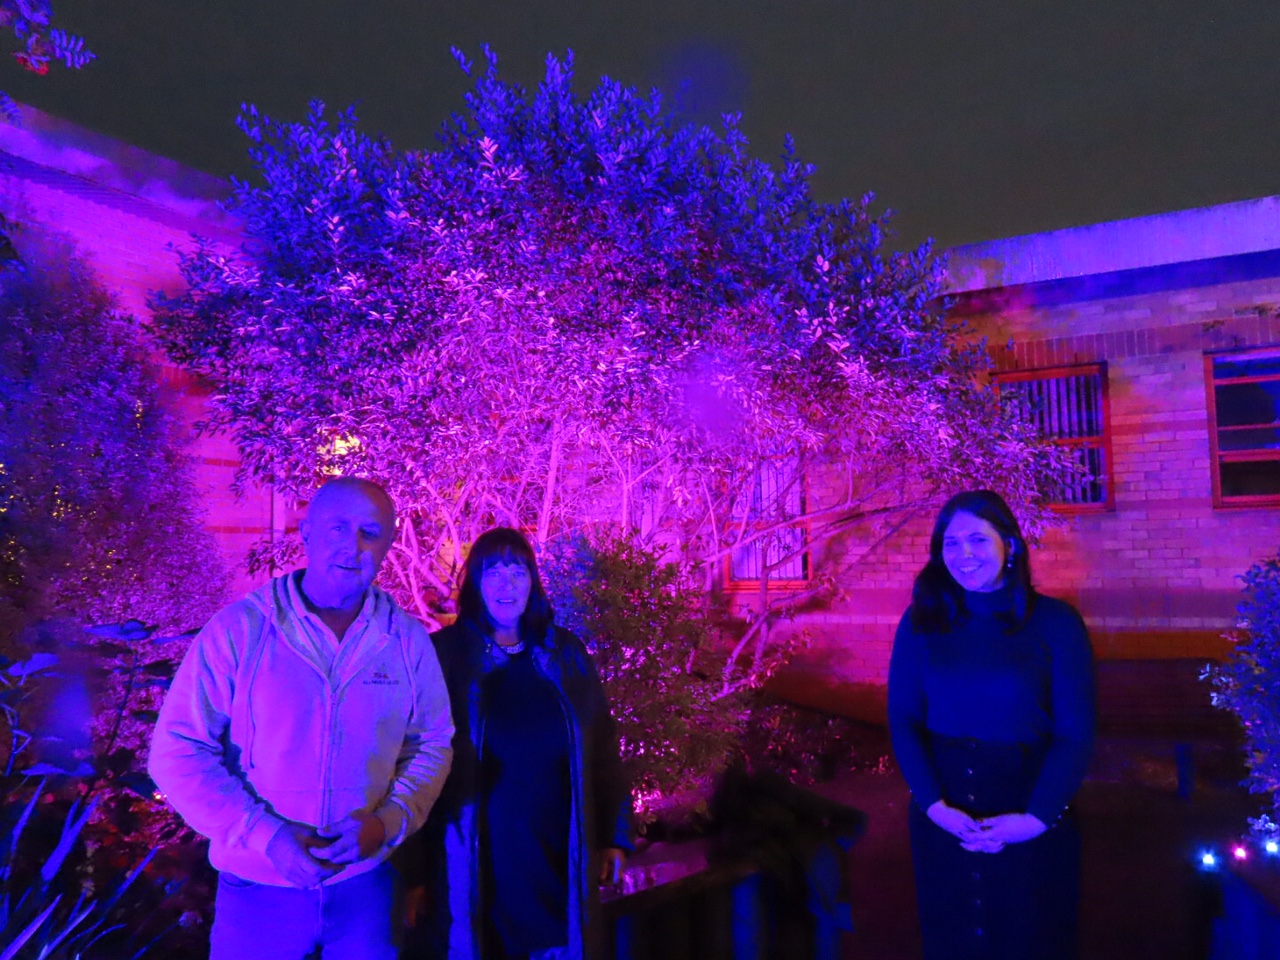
{"x": 525, "y": 778}
{"x": 1033, "y": 686}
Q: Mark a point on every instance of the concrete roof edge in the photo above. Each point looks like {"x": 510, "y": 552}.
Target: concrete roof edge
{"x": 1202, "y": 233}
{"x": 65, "y": 146}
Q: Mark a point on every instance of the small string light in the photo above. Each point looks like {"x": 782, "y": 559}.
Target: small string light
{"x": 1240, "y": 851}
{"x": 1208, "y": 860}
{"x": 1271, "y": 847}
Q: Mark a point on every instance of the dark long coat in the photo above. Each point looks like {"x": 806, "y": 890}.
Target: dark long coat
{"x": 445, "y": 855}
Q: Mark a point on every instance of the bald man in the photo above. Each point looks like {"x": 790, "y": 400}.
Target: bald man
{"x": 307, "y": 734}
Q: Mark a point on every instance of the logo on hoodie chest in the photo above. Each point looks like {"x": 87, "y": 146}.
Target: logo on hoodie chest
{"x": 381, "y": 676}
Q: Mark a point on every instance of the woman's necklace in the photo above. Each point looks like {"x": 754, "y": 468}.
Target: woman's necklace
{"x": 507, "y": 649}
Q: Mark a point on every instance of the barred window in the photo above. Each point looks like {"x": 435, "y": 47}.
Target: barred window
{"x": 777, "y": 496}
{"x": 1244, "y": 427}
{"x": 1068, "y": 405}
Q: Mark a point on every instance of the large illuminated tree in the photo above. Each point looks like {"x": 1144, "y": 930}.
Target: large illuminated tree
{"x": 577, "y": 314}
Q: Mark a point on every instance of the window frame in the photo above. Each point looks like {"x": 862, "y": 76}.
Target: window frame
{"x": 752, "y": 584}
{"x": 1217, "y": 456}
{"x": 1103, "y": 442}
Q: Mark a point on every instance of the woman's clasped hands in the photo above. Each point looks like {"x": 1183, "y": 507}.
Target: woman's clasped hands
{"x": 985, "y": 834}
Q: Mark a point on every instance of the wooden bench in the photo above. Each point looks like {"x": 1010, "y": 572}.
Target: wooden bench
{"x": 1163, "y": 702}
{"x": 672, "y": 902}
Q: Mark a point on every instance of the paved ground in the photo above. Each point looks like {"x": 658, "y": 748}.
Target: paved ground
{"x": 1142, "y": 894}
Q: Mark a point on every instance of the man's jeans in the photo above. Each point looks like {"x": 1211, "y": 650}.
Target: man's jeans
{"x": 348, "y": 920}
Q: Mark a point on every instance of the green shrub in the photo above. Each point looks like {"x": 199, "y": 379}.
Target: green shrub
{"x": 645, "y": 623}
{"x": 1248, "y": 683}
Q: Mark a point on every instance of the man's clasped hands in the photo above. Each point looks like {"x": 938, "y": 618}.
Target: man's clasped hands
{"x": 305, "y": 856}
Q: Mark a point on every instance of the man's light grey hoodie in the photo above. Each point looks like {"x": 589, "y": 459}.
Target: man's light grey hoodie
{"x": 270, "y": 719}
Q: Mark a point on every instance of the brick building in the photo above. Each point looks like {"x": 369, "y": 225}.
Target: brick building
{"x": 1150, "y": 347}
{"x": 1153, "y": 348}
{"x": 129, "y": 212}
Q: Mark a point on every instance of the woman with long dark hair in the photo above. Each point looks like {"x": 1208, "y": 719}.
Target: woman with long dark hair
{"x": 536, "y": 811}
{"x": 991, "y": 711}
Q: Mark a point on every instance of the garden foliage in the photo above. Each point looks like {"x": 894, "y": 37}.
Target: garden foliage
{"x": 31, "y": 23}
{"x": 639, "y": 615}
{"x": 66, "y": 889}
{"x": 98, "y": 523}
{"x": 45, "y": 909}
{"x": 576, "y": 313}
{"x": 98, "y": 517}
{"x": 1248, "y": 683}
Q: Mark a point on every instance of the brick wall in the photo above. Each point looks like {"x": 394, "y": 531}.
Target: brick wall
{"x": 846, "y": 664}
{"x": 1157, "y": 576}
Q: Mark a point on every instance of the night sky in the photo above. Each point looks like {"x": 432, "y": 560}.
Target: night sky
{"x": 973, "y": 120}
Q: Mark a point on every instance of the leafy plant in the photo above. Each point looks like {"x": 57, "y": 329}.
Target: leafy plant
{"x": 131, "y": 667}
{"x": 40, "y": 43}
{"x": 30, "y": 21}
{"x": 644, "y": 622}
{"x": 1248, "y": 683}
{"x": 14, "y": 691}
{"x": 46, "y": 907}
{"x": 49, "y": 915}
{"x": 98, "y": 521}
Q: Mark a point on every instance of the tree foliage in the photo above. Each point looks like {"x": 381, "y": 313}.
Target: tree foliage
{"x": 1248, "y": 683}
{"x": 40, "y": 44}
{"x": 98, "y": 517}
{"x": 576, "y": 312}
{"x": 99, "y": 523}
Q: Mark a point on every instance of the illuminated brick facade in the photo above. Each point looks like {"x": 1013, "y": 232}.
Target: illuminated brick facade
{"x": 1155, "y": 572}
{"x": 1155, "y": 575}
